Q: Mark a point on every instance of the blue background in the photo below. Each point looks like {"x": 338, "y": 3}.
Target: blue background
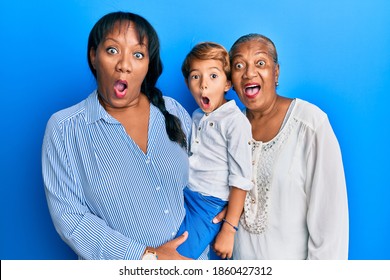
{"x": 334, "y": 53}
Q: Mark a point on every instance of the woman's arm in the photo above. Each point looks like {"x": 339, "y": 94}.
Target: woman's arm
{"x": 327, "y": 216}
{"x": 88, "y": 235}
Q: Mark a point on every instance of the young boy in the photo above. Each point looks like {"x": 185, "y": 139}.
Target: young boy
{"x": 220, "y": 154}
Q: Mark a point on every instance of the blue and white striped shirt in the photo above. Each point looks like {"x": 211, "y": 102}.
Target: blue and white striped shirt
{"x": 107, "y": 198}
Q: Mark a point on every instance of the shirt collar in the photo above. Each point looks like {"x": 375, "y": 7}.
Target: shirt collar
{"x": 223, "y": 108}
{"x": 94, "y": 111}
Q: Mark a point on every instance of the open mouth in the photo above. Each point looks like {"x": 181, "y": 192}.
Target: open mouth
{"x": 205, "y": 100}
{"x": 120, "y": 87}
{"x": 252, "y": 90}
{"x": 205, "y": 104}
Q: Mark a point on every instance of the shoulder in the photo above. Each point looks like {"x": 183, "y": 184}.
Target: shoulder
{"x": 67, "y": 114}
{"x": 57, "y": 125}
{"x": 197, "y": 114}
{"x": 174, "y": 107}
{"x": 236, "y": 114}
{"x": 309, "y": 113}
{"x": 234, "y": 121}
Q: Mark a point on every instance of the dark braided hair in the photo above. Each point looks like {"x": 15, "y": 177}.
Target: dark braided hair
{"x": 145, "y": 31}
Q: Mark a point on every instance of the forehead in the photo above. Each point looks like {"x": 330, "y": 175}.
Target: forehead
{"x": 198, "y": 64}
{"x": 127, "y": 29}
{"x": 251, "y": 48}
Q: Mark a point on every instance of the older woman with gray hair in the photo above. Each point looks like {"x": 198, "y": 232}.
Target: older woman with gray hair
{"x": 298, "y": 207}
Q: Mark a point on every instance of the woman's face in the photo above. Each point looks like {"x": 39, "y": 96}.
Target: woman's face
{"x": 121, "y": 64}
{"x": 254, "y": 74}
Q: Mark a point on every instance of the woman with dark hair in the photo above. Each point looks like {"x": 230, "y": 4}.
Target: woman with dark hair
{"x": 115, "y": 165}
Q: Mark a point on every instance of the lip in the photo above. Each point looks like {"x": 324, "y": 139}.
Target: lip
{"x": 251, "y": 90}
{"x": 120, "y": 88}
{"x": 205, "y": 102}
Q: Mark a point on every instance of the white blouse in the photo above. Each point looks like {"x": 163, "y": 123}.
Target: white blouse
{"x": 298, "y": 208}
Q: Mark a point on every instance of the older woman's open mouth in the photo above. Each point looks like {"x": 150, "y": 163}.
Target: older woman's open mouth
{"x": 251, "y": 90}
{"x": 120, "y": 87}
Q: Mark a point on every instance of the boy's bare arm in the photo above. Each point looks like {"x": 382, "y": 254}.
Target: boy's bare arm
{"x": 224, "y": 241}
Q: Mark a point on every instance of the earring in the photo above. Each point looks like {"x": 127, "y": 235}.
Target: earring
{"x": 277, "y": 83}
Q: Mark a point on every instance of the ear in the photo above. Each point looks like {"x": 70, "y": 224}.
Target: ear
{"x": 277, "y": 71}
{"x": 228, "y": 85}
{"x": 92, "y": 57}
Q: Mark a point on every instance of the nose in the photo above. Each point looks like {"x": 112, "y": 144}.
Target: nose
{"x": 250, "y": 71}
{"x": 124, "y": 64}
{"x": 203, "y": 84}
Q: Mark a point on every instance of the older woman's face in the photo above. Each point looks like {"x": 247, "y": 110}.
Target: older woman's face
{"x": 121, "y": 64}
{"x": 254, "y": 74}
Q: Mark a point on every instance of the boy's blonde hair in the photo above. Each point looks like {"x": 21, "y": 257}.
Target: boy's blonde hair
{"x": 205, "y": 51}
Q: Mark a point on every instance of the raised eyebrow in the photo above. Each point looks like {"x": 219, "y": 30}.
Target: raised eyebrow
{"x": 142, "y": 46}
{"x": 192, "y": 70}
{"x": 215, "y": 68}
{"x": 236, "y": 56}
{"x": 264, "y": 53}
{"x": 109, "y": 39}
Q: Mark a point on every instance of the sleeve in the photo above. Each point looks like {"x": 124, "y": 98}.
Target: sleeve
{"x": 88, "y": 235}
{"x": 327, "y": 217}
{"x": 239, "y": 152}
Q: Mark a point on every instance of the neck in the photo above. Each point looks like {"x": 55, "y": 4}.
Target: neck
{"x": 124, "y": 109}
{"x": 266, "y": 112}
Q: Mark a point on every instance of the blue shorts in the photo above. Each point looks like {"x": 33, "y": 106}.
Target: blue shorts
{"x": 200, "y": 212}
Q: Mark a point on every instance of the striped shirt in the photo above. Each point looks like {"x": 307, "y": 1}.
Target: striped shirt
{"x": 107, "y": 198}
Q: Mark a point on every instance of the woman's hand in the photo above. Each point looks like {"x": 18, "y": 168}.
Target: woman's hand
{"x": 168, "y": 250}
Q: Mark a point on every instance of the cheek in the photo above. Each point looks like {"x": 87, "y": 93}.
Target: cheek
{"x": 142, "y": 71}
{"x": 192, "y": 85}
{"x": 268, "y": 75}
{"x": 235, "y": 79}
{"x": 102, "y": 66}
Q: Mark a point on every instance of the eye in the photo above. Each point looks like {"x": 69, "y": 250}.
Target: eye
{"x": 213, "y": 76}
{"x": 239, "y": 65}
{"x": 194, "y": 77}
{"x": 139, "y": 55}
{"x": 261, "y": 63}
{"x": 112, "y": 50}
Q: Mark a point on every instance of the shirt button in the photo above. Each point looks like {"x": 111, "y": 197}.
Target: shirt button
{"x": 147, "y": 160}
{"x": 173, "y": 233}
{"x": 166, "y": 211}
{"x": 158, "y": 188}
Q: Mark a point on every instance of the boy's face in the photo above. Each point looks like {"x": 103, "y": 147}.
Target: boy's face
{"x": 208, "y": 83}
